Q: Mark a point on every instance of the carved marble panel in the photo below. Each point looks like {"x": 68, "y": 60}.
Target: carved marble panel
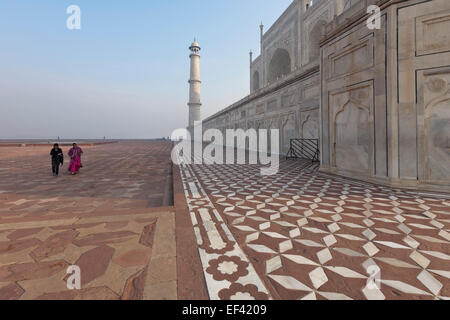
{"x": 288, "y": 132}
{"x": 350, "y": 130}
{"x": 309, "y": 125}
{"x": 260, "y": 109}
{"x": 272, "y": 105}
{"x": 351, "y": 60}
{"x": 436, "y": 126}
{"x": 429, "y": 36}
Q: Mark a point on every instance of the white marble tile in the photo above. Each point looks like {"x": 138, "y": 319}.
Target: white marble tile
{"x": 390, "y": 244}
{"x": 273, "y": 264}
{"x": 352, "y": 225}
{"x": 289, "y": 283}
{"x": 421, "y": 226}
{"x": 396, "y": 263}
{"x": 245, "y": 228}
{"x": 286, "y": 246}
{"x": 387, "y": 231}
{"x": 368, "y": 222}
{"x": 443, "y": 273}
{"x": 198, "y": 236}
{"x": 373, "y": 294}
{"x": 300, "y": 259}
{"x": 252, "y": 237}
{"x": 431, "y": 239}
{"x": 420, "y": 259}
{"x": 264, "y": 226}
{"x": 275, "y": 235}
{"x": 333, "y": 227}
{"x": 310, "y": 296}
{"x": 294, "y": 233}
{"x": 309, "y": 243}
{"x": 330, "y": 240}
{"x": 318, "y": 277}
{"x": 444, "y": 234}
{"x": 334, "y": 296}
{"x": 346, "y": 272}
{"x": 411, "y": 242}
{"x": 369, "y": 234}
{"x": 436, "y": 254}
{"x": 430, "y": 282}
{"x": 324, "y": 256}
{"x": 285, "y": 224}
{"x": 260, "y": 248}
{"x": 350, "y": 237}
{"x": 371, "y": 249}
{"x": 314, "y": 230}
{"x": 215, "y": 239}
{"x": 402, "y": 227}
{"x": 404, "y": 287}
{"x": 348, "y": 252}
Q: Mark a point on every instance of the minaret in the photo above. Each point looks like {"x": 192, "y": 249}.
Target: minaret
{"x": 261, "y": 36}
{"x": 194, "y": 85}
{"x": 251, "y": 76}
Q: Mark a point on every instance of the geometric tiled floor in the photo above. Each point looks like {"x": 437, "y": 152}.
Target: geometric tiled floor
{"x": 103, "y": 220}
{"x": 299, "y": 234}
{"x": 302, "y": 234}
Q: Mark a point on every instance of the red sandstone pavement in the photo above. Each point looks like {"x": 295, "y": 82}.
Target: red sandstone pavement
{"x": 231, "y": 234}
{"x": 114, "y": 220}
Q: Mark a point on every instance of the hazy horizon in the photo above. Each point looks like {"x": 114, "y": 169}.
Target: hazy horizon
{"x": 125, "y": 74}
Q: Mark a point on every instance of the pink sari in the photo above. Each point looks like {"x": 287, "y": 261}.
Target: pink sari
{"x": 75, "y": 159}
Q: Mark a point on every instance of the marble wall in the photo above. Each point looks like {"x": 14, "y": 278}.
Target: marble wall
{"x": 291, "y": 106}
{"x": 378, "y": 100}
{"x": 285, "y": 77}
{"x": 385, "y": 103}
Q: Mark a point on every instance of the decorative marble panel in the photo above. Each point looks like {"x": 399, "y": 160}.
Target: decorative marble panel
{"x": 351, "y": 129}
{"x": 429, "y": 36}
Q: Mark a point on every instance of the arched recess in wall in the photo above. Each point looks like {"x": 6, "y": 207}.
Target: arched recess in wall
{"x": 280, "y": 64}
{"x": 256, "y": 85}
{"x": 315, "y": 36}
{"x": 437, "y": 136}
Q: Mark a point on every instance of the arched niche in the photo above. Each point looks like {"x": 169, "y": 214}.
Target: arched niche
{"x": 280, "y": 65}
{"x": 256, "y": 83}
{"x": 315, "y": 35}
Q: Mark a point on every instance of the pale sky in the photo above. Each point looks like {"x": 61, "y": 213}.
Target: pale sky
{"x": 125, "y": 73}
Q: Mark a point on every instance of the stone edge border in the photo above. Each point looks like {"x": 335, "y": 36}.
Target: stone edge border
{"x": 191, "y": 279}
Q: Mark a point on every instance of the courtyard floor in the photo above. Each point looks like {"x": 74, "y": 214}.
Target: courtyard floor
{"x": 139, "y": 229}
{"x": 114, "y": 220}
{"x": 302, "y": 234}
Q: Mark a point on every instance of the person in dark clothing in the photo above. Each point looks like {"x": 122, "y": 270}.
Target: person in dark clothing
{"x": 57, "y": 159}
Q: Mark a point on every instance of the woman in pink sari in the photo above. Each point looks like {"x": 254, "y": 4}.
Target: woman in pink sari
{"x": 75, "y": 159}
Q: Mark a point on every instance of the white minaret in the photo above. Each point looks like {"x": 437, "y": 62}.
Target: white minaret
{"x": 194, "y": 85}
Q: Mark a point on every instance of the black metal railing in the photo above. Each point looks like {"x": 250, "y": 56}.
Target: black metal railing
{"x": 304, "y": 149}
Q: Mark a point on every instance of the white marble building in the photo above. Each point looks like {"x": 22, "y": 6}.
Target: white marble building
{"x": 285, "y": 77}
{"x": 378, "y": 100}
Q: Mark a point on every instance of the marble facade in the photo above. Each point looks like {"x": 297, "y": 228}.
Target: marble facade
{"x": 378, "y": 100}
{"x": 385, "y": 95}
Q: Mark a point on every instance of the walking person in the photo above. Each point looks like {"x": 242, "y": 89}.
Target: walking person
{"x": 75, "y": 159}
{"x": 57, "y": 159}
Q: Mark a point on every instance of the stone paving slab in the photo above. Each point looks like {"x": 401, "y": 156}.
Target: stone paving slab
{"x": 302, "y": 234}
{"x": 111, "y": 221}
